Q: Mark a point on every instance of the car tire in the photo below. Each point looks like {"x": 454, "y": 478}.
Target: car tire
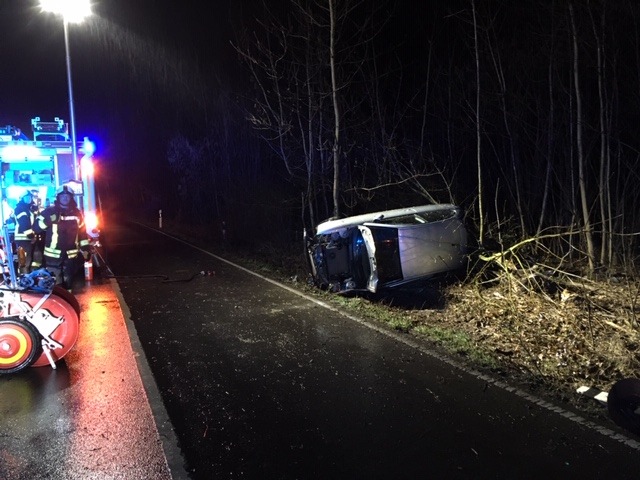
{"x": 623, "y": 403}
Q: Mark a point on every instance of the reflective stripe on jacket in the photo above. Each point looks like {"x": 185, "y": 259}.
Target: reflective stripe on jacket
{"x": 64, "y": 231}
{"x": 24, "y": 221}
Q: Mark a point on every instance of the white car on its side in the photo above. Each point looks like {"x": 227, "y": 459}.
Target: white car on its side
{"x": 387, "y": 249}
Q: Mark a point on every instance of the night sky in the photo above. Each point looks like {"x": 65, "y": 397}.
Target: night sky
{"x": 140, "y": 69}
{"x": 133, "y": 62}
{"x": 121, "y": 62}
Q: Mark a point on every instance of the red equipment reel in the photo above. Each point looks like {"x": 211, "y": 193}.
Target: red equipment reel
{"x": 68, "y": 296}
{"x": 58, "y": 307}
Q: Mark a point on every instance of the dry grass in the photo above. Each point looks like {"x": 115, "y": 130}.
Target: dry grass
{"x": 573, "y": 340}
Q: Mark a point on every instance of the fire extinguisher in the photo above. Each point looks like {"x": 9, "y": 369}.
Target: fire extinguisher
{"x": 88, "y": 270}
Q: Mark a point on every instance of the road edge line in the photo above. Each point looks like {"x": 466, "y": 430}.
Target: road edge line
{"x": 173, "y": 455}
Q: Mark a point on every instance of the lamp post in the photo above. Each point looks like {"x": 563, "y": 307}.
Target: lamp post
{"x": 74, "y": 11}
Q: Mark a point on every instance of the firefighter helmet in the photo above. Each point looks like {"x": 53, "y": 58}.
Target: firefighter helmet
{"x": 64, "y": 189}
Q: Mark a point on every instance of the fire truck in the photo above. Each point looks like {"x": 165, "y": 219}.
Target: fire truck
{"x": 39, "y": 320}
{"x": 45, "y": 164}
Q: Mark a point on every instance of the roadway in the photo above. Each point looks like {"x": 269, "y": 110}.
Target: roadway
{"x": 262, "y": 381}
{"x": 233, "y": 375}
{"x": 90, "y": 417}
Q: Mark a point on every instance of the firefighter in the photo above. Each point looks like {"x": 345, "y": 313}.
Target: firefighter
{"x": 65, "y": 237}
{"x": 24, "y": 236}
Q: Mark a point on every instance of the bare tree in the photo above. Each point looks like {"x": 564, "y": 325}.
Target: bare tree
{"x": 336, "y": 110}
{"x": 304, "y": 66}
{"x": 514, "y": 160}
{"x": 478, "y": 127}
{"x": 550, "y": 135}
{"x": 603, "y": 177}
{"x": 265, "y": 58}
{"x": 582, "y": 182}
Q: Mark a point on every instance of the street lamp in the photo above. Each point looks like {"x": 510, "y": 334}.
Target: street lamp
{"x": 72, "y": 11}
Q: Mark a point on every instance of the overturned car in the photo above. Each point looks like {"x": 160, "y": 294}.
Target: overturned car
{"x": 386, "y": 249}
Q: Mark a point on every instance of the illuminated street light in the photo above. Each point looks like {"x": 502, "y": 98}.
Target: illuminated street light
{"x": 72, "y": 11}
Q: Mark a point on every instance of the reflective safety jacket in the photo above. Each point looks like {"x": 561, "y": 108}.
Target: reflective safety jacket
{"x": 64, "y": 231}
{"x": 25, "y": 218}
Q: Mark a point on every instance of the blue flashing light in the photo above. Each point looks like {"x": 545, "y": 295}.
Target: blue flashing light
{"x": 88, "y": 146}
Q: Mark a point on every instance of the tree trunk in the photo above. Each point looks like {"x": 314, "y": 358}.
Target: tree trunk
{"x": 588, "y": 235}
{"x": 336, "y": 113}
{"x": 497, "y": 63}
{"x": 550, "y": 134}
{"x": 478, "y": 143}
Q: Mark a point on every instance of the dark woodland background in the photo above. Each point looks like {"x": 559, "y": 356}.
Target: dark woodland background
{"x": 273, "y": 117}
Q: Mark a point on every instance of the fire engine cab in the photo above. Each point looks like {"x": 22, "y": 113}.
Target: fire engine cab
{"x": 45, "y": 164}
{"x": 39, "y": 320}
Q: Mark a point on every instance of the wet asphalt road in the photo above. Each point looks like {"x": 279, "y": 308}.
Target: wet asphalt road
{"x": 90, "y": 417}
{"x": 261, "y": 382}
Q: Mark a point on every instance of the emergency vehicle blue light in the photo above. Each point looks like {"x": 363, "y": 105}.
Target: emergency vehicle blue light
{"x": 88, "y": 146}
{"x": 19, "y": 152}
